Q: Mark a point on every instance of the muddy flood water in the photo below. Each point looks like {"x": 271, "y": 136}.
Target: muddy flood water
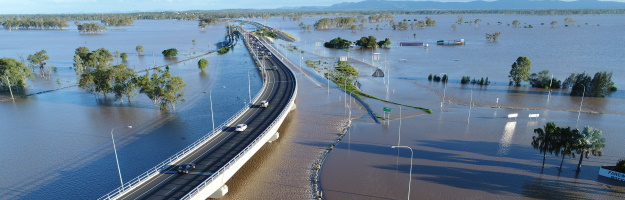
{"x": 468, "y": 148}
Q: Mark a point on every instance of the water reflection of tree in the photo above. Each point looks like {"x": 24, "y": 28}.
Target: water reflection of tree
{"x": 540, "y": 188}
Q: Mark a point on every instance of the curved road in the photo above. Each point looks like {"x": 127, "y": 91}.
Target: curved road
{"x": 220, "y": 150}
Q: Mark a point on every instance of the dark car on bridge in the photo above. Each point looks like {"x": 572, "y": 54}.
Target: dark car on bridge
{"x": 184, "y": 168}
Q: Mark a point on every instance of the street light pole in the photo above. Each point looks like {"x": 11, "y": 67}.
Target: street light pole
{"x": 249, "y": 87}
{"x": 119, "y": 171}
{"x": 580, "y": 106}
{"x": 411, "y": 157}
{"x": 212, "y": 116}
{"x": 399, "y": 131}
{"x": 444, "y": 89}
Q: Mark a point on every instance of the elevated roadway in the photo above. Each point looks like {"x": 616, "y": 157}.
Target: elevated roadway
{"x": 216, "y": 157}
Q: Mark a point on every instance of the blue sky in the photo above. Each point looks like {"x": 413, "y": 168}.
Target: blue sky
{"x": 106, "y": 6}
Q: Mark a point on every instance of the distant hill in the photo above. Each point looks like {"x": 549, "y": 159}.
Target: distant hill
{"x": 481, "y": 5}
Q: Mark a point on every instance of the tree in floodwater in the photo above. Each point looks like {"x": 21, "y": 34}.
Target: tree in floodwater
{"x": 515, "y": 23}
{"x": 202, "y": 63}
{"x": 520, "y": 70}
{"x": 569, "y": 21}
{"x": 542, "y": 80}
{"x": 168, "y": 53}
{"x": 430, "y": 22}
{"x": 601, "y": 84}
{"x": 492, "y": 37}
{"x": 16, "y": 72}
{"x": 590, "y": 142}
{"x": 554, "y": 23}
{"x": 124, "y": 82}
{"x": 384, "y": 43}
{"x": 163, "y": 89}
{"x": 118, "y": 21}
{"x": 566, "y": 138}
{"x": 39, "y": 59}
{"x": 583, "y": 85}
{"x": 367, "y": 42}
{"x": 97, "y": 81}
{"x": 124, "y": 56}
{"x": 477, "y": 22}
{"x": 91, "y": 28}
{"x": 545, "y": 139}
{"x": 139, "y": 49}
{"x": 84, "y": 59}
{"x": 337, "y": 43}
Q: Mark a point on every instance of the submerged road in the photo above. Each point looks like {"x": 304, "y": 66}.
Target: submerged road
{"x": 210, "y": 157}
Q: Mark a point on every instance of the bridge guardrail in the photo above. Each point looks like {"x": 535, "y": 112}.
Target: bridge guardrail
{"x": 157, "y": 169}
{"x": 244, "y": 151}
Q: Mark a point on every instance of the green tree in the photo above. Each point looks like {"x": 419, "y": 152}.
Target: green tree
{"x": 590, "y": 142}
{"x": 569, "y": 21}
{"x": 565, "y": 142}
{"x": 545, "y": 141}
{"x": 39, "y": 58}
{"x": 124, "y": 56}
{"x": 543, "y": 80}
{"x": 168, "y": 53}
{"x": 515, "y": 23}
{"x": 97, "y": 81}
{"x": 554, "y": 23}
{"x": 520, "y": 70}
{"x": 16, "y": 72}
{"x": 492, "y": 37}
{"x": 116, "y": 55}
{"x": 139, "y": 49}
{"x": 91, "y": 28}
{"x": 124, "y": 83}
{"x": 337, "y": 43}
{"x": 477, "y": 22}
{"x": 580, "y": 84}
{"x": 163, "y": 89}
{"x": 367, "y": 42}
{"x": 600, "y": 84}
{"x": 202, "y": 63}
{"x": 78, "y": 66}
{"x": 430, "y": 22}
{"x": 202, "y": 25}
{"x": 384, "y": 43}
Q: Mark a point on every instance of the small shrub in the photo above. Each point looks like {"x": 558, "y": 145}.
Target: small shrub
{"x": 465, "y": 79}
{"x": 170, "y": 52}
{"x": 613, "y": 89}
{"x": 223, "y": 50}
{"x": 620, "y": 166}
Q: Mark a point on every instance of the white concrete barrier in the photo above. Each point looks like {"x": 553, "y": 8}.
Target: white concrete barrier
{"x": 513, "y": 115}
{"x": 533, "y": 116}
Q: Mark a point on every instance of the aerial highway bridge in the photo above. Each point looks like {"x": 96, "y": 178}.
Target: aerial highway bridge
{"x": 221, "y": 153}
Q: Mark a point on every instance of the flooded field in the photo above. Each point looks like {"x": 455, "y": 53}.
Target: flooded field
{"x": 474, "y": 152}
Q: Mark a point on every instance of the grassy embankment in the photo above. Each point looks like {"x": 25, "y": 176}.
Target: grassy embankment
{"x": 343, "y": 75}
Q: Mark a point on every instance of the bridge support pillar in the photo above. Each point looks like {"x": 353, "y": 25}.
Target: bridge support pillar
{"x": 293, "y": 107}
{"x": 274, "y": 137}
{"x": 220, "y": 192}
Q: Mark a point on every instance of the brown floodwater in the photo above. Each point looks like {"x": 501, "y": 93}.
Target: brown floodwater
{"x": 281, "y": 169}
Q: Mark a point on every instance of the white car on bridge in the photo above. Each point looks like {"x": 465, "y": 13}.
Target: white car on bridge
{"x": 264, "y": 103}
{"x": 240, "y": 127}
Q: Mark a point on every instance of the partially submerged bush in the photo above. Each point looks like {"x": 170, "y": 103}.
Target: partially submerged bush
{"x": 620, "y": 166}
